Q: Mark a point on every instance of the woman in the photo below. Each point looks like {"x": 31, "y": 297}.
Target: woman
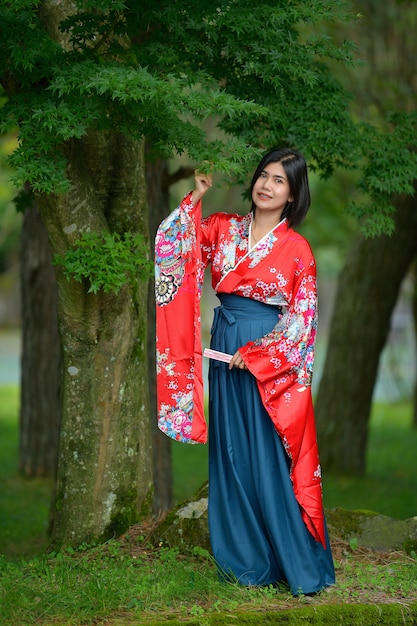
{"x": 265, "y": 504}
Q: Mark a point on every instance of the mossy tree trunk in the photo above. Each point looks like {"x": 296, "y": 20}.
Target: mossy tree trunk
{"x": 104, "y": 476}
{"x": 40, "y": 397}
{"x": 368, "y": 288}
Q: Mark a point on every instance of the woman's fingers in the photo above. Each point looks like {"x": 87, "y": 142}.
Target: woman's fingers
{"x": 203, "y": 181}
{"x": 237, "y": 362}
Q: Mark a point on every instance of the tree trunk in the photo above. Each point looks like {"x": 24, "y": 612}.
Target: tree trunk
{"x": 159, "y": 181}
{"x": 40, "y": 363}
{"x": 367, "y": 292}
{"x": 415, "y": 343}
{"x": 104, "y": 478}
{"x": 158, "y": 198}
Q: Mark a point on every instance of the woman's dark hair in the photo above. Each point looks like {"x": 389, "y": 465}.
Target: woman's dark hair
{"x": 295, "y": 168}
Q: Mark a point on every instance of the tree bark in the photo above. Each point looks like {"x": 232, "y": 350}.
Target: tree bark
{"x": 40, "y": 401}
{"x": 40, "y": 361}
{"x": 104, "y": 478}
{"x": 158, "y": 198}
{"x": 367, "y": 292}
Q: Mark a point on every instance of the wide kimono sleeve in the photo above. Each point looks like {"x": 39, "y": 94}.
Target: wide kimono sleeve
{"x": 289, "y": 347}
{"x": 282, "y": 363}
{"x": 179, "y": 271}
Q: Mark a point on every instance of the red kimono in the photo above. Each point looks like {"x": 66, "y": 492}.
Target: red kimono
{"x": 280, "y": 270}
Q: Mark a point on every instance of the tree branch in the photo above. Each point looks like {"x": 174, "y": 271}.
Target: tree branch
{"x": 180, "y": 174}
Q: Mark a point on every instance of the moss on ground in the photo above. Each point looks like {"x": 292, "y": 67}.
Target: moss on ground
{"x": 325, "y": 615}
{"x": 344, "y": 523}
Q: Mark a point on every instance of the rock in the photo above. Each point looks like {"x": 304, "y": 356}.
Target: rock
{"x": 372, "y": 530}
{"x": 186, "y": 526}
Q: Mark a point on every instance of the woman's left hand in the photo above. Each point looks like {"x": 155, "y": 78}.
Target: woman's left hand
{"x": 237, "y": 361}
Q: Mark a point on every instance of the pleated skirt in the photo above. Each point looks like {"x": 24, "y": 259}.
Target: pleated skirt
{"x": 257, "y": 533}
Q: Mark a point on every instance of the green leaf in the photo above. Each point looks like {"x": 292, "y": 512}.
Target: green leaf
{"x": 107, "y": 261}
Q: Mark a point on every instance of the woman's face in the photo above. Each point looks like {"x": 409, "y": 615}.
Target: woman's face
{"x": 271, "y": 191}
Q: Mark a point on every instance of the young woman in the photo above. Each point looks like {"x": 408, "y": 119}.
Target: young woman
{"x": 266, "y": 515}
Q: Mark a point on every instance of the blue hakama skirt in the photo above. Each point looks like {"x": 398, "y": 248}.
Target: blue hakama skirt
{"x": 257, "y": 533}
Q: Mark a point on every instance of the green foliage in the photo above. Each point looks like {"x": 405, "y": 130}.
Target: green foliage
{"x": 389, "y": 168}
{"x": 159, "y": 71}
{"x": 10, "y": 222}
{"x": 107, "y": 260}
{"x": 44, "y": 172}
{"x": 267, "y": 77}
{"x": 167, "y": 108}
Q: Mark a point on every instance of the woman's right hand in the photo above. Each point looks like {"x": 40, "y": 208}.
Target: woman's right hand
{"x": 203, "y": 182}
{"x": 237, "y": 361}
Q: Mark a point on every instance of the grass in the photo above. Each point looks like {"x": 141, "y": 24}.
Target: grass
{"x": 390, "y": 484}
{"x": 24, "y": 503}
{"x": 189, "y": 468}
{"x": 128, "y": 583}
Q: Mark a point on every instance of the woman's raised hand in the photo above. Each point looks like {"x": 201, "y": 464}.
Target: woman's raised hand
{"x": 203, "y": 182}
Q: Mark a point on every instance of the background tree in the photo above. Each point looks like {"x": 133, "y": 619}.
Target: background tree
{"x": 87, "y": 82}
{"x": 415, "y": 337}
{"x": 375, "y": 267}
{"x": 41, "y": 357}
{"x": 159, "y": 179}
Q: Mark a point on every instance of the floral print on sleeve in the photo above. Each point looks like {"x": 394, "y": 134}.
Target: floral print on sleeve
{"x": 174, "y": 242}
{"x": 179, "y": 273}
{"x": 290, "y": 345}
